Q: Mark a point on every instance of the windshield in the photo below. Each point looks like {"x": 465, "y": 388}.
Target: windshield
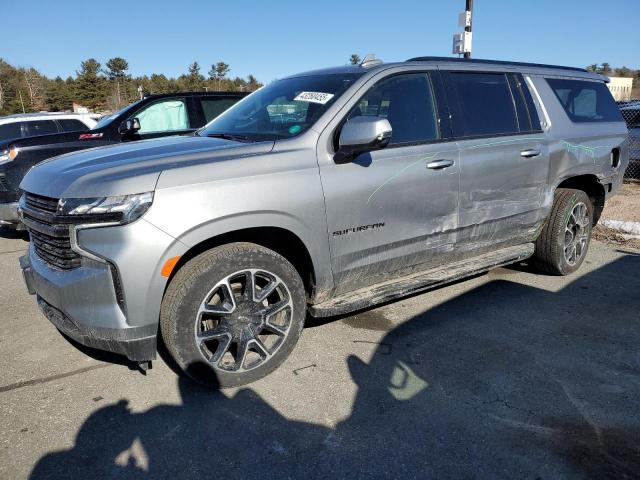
{"x": 104, "y": 121}
{"x": 283, "y": 109}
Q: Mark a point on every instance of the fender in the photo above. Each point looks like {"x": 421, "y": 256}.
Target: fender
{"x": 317, "y": 244}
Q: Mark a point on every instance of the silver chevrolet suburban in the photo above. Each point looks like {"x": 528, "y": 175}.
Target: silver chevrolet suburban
{"x": 323, "y": 193}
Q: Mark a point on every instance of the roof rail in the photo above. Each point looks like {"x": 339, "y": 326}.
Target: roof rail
{"x": 492, "y": 62}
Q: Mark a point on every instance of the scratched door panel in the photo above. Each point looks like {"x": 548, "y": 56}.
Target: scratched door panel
{"x": 388, "y": 214}
{"x": 501, "y": 191}
{"x": 504, "y": 160}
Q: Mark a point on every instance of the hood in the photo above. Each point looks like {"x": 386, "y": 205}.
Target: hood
{"x": 130, "y": 167}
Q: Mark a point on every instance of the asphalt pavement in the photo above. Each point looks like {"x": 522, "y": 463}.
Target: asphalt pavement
{"x": 507, "y": 375}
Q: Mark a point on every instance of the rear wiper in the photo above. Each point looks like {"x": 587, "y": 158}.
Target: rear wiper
{"x": 230, "y": 136}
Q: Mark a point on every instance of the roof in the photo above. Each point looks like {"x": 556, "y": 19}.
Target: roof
{"x": 332, "y": 71}
{"x": 482, "y": 61}
{"x": 471, "y": 62}
{"x": 199, "y": 94}
{"x": 45, "y": 114}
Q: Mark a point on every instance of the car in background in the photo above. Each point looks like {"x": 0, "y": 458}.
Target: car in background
{"x": 32, "y": 124}
{"x": 631, "y": 114}
{"x": 151, "y": 117}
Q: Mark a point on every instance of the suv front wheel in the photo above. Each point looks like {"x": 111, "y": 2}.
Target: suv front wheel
{"x": 233, "y": 314}
{"x": 564, "y": 240}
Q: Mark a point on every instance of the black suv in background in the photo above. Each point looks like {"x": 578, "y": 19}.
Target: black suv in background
{"x": 153, "y": 116}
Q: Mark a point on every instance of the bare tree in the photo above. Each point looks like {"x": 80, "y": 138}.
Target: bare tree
{"x": 36, "y": 87}
{"x": 1, "y": 96}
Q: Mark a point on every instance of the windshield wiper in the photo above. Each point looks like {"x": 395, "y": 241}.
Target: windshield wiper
{"x": 230, "y": 136}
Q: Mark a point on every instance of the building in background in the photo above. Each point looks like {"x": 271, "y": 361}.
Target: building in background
{"x": 77, "y": 108}
{"x": 620, "y": 87}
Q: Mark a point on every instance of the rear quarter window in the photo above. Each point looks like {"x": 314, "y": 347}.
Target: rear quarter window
{"x": 585, "y": 101}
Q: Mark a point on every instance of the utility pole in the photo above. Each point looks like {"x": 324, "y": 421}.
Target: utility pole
{"x": 469, "y": 8}
{"x": 462, "y": 41}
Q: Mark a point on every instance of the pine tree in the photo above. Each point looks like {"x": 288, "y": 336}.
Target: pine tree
{"x": 116, "y": 72}
{"x": 193, "y": 81}
{"x": 90, "y": 86}
{"x": 219, "y": 72}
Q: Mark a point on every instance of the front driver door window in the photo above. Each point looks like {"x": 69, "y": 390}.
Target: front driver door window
{"x": 163, "y": 117}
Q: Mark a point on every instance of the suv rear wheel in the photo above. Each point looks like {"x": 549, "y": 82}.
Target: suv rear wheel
{"x": 564, "y": 240}
{"x": 233, "y": 314}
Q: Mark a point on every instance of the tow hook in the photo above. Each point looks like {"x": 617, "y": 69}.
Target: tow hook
{"x": 145, "y": 366}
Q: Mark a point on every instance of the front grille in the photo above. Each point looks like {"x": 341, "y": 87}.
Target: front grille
{"x": 49, "y": 234}
{"x": 55, "y": 251}
{"x": 44, "y": 204}
{"x": 4, "y": 186}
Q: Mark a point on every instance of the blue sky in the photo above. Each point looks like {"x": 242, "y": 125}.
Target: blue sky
{"x": 272, "y": 39}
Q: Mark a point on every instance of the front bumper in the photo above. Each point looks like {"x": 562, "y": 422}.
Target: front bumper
{"x": 9, "y": 213}
{"x": 136, "y": 343}
{"x": 112, "y": 300}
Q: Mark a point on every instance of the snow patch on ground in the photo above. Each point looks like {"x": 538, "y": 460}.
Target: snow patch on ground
{"x": 630, "y": 228}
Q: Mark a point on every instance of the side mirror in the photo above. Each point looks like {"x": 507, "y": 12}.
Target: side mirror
{"x": 130, "y": 126}
{"x": 362, "y": 134}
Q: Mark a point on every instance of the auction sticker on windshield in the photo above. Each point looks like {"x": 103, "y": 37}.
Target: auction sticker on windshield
{"x": 314, "y": 97}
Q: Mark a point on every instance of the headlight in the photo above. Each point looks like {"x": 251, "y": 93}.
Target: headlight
{"x": 8, "y": 154}
{"x": 121, "y": 209}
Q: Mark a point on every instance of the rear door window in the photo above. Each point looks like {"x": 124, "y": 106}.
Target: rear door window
{"x": 485, "y": 103}
{"x": 72, "y": 125}
{"x": 212, "y": 107}
{"x": 10, "y": 130}
{"x": 164, "y": 116}
{"x": 39, "y": 127}
{"x": 585, "y": 101}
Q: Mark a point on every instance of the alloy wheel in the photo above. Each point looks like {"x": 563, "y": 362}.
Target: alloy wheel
{"x": 244, "y": 320}
{"x": 576, "y": 234}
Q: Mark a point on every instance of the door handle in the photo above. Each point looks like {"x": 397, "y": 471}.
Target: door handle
{"x": 439, "y": 164}
{"x": 530, "y": 153}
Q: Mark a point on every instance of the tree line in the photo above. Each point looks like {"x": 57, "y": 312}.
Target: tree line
{"x": 110, "y": 87}
{"x": 105, "y": 88}
{"x": 606, "y": 69}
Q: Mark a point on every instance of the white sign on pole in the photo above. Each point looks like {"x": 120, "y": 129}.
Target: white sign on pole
{"x": 462, "y": 42}
{"x": 464, "y": 19}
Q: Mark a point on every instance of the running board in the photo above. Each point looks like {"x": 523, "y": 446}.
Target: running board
{"x": 421, "y": 281}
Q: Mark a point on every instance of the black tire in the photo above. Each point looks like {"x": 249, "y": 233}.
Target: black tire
{"x": 549, "y": 255}
{"x": 190, "y": 291}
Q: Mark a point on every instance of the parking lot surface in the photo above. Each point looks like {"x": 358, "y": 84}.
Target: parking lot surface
{"x": 506, "y": 375}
